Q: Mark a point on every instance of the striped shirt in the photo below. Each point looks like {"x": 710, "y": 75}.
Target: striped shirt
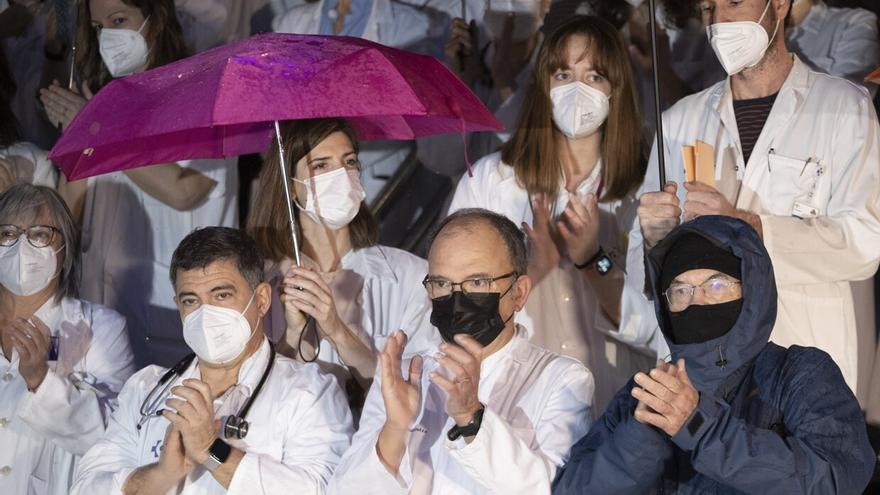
{"x": 751, "y": 115}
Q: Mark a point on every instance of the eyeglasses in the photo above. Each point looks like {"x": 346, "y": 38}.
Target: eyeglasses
{"x": 38, "y": 235}
{"x": 716, "y": 290}
{"x": 439, "y": 287}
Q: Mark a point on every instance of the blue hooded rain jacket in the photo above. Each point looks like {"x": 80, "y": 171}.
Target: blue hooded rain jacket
{"x": 769, "y": 419}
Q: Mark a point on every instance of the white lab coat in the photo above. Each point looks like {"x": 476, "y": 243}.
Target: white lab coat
{"x": 817, "y": 157}
{"x": 127, "y": 241}
{"x": 377, "y": 291}
{"x": 841, "y": 42}
{"x": 44, "y": 432}
{"x": 537, "y": 405}
{"x": 563, "y": 312}
{"x": 31, "y": 165}
{"x": 299, "y": 428}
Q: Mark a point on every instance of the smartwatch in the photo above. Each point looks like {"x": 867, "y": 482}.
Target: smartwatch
{"x": 601, "y": 260}
{"x": 469, "y": 429}
{"x": 217, "y": 454}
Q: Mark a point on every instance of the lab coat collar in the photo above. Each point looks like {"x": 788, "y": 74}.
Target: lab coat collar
{"x": 797, "y": 82}
{"x": 373, "y": 259}
{"x": 251, "y": 370}
{"x": 489, "y": 363}
{"x": 52, "y": 312}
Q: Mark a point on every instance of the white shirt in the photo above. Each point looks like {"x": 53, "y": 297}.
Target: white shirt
{"x": 529, "y": 424}
{"x": 31, "y": 165}
{"x": 562, "y": 311}
{"x": 127, "y": 241}
{"x": 44, "y": 432}
{"x": 378, "y": 290}
{"x": 817, "y": 157}
{"x": 841, "y": 42}
{"x": 299, "y": 428}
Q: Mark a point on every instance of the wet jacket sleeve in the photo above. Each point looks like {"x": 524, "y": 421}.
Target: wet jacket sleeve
{"x": 825, "y": 451}
{"x": 618, "y": 456}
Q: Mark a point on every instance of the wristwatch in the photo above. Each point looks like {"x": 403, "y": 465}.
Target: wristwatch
{"x": 469, "y": 429}
{"x": 601, "y": 260}
{"x": 217, "y": 454}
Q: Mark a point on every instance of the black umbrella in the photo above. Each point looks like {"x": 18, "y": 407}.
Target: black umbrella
{"x": 661, "y": 168}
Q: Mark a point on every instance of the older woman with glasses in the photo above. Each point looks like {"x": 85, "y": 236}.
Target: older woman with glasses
{"x": 62, "y": 360}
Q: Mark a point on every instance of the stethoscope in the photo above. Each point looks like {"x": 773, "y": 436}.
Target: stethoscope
{"x": 234, "y": 426}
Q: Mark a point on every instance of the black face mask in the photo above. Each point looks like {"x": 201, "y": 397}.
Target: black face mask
{"x": 475, "y": 314}
{"x": 698, "y": 324}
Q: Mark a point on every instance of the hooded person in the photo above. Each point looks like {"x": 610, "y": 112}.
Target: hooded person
{"x": 735, "y": 413}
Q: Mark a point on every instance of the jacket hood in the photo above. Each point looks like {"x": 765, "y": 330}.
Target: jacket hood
{"x": 710, "y": 363}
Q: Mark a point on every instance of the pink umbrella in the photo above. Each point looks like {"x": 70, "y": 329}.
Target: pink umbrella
{"x": 226, "y": 102}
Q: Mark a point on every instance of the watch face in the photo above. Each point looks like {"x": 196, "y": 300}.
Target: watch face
{"x": 603, "y": 265}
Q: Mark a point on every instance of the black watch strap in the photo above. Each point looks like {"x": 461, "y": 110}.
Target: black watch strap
{"x": 468, "y": 430}
{"x": 218, "y": 453}
{"x": 590, "y": 261}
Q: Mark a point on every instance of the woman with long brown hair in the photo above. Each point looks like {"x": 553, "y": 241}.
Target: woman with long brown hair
{"x": 351, "y": 293}
{"x": 568, "y": 175}
{"x": 133, "y": 220}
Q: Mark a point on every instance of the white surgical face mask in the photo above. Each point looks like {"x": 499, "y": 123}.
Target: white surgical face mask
{"x": 578, "y": 109}
{"x": 740, "y": 45}
{"x": 25, "y": 269}
{"x": 333, "y": 199}
{"x": 124, "y": 51}
{"x": 216, "y": 334}
{"x": 524, "y": 13}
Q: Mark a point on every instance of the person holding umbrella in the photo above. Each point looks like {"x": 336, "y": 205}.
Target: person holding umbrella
{"x": 350, "y": 294}
{"x": 795, "y": 155}
{"x": 568, "y": 175}
{"x": 132, "y": 220}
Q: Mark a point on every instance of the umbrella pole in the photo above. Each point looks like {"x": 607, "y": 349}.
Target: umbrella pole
{"x": 658, "y": 115}
{"x": 286, "y": 182}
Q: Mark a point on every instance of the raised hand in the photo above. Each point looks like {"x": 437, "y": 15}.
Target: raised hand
{"x": 401, "y": 394}
{"x": 463, "y": 363}
{"x": 579, "y": 228}
{"x": 194, "y": 418}
{"x": 669, "y": 395}
{"x": 659, "y": 213}
{"x": 32, "y": 340}
{"x": 544, "y": 253}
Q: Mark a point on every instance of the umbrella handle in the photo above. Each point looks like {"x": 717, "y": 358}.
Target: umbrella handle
{"x": 661, "y": 157}
{"x": 286, "y": 182}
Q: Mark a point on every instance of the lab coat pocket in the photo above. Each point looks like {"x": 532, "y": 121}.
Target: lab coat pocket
{"x": 797, "y": 187}
{"x": 37, "y": 486}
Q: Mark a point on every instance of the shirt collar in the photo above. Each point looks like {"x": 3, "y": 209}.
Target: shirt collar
{"x": 251, "y": 370}
{"x": 493, "y": 361}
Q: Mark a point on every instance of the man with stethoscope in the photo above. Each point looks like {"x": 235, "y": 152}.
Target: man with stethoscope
{"x": 796, "y": 155}
{"x": 232, "y": 417}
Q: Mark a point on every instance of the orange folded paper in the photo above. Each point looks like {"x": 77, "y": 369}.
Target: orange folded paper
{"x": 705, "y": 170}
{"x": 874, "y": 77}
{"x": 699, "y": 163}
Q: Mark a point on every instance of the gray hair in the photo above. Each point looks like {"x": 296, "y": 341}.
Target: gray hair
{"x": 514, "y": 239}
{"x": 23, "y": 203}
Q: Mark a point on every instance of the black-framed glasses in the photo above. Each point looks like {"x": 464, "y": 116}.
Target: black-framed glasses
{"x": 39, "y": 236}
{"x": 680, "y": 295}
{"x": 440, "y": 287}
